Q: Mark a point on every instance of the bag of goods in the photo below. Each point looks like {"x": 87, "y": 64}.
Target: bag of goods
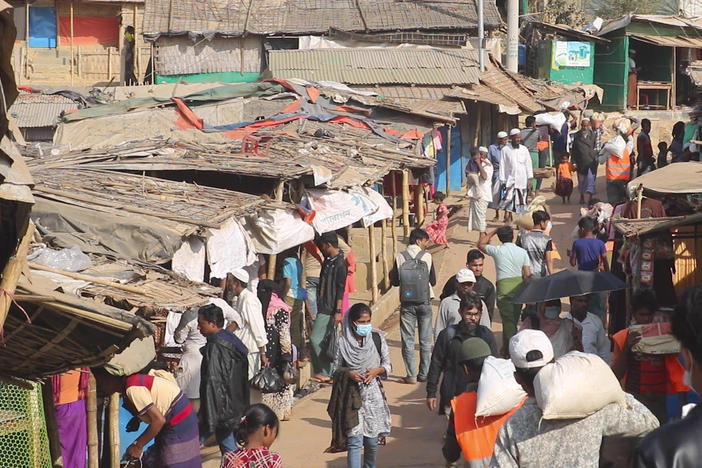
{"x": 524, "y": 220}
{"x": 554, "y": 119}
{"x": 576, "y": 385}
{"x": 498, "y": 391}
{"x": 656, "y": 338}
{"x": 614, "y": 146}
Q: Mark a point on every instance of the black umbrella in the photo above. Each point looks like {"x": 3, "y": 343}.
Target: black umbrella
{"x": 567, "y": 283}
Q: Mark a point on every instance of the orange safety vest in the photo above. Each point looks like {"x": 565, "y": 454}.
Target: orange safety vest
{"x": 619, "y": 168}
{"x": 477, "y": 435}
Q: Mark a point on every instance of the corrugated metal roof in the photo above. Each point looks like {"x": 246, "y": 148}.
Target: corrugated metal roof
{"x": 670, "y": 41}
{"x": 566, "y": 31}
{"x": 39, "y": 110}
{"x": 675, "y": 21}
{"x": 236, "y": 17}
{"x": 381, "y": 66}
{"x": 412, "y": 92}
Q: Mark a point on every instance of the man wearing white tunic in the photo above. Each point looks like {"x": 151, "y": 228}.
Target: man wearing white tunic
{"x": 515, "y": 172}
{"x": 480, "y": 194}
{"x": 252, "y": 331}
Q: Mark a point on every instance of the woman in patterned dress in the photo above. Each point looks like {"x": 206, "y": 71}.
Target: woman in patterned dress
{"x": 256, "y": 433}
{"x": 437, "y": 229}
{"x": 279, "y": 347}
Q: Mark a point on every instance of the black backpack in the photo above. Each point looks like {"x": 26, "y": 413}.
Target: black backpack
{"x": 414, "y": 279}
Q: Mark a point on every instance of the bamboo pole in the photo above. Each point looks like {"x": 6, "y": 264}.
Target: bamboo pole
{"x": 639, "y": 199}
{"x": 419, "y": 196}
{"x": 137, "y": 61}
{"x": 51, "y": 425}
{"x": 91, "y": 279}
{"x": 72, "y": 65}
{"x": 373, "y": 264}
{"x": 393, "y": 226}
{"x": 91, "y": 413}
{"x": 113, "y": 423}
{"x": 405, "y": 201}
{"x": 448, "y": 160}
{"x": 273, "y": 257}
{"x": 109, "y": 63}
{"x": 12, "y": 272}
{"x": 384, "y": 254}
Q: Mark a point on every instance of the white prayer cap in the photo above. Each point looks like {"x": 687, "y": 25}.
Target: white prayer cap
{"x": 501, "y": 134}
{"x": 514, "y": 131}
{"x": 483, "y": 149}
{"x": 241, "y": 274}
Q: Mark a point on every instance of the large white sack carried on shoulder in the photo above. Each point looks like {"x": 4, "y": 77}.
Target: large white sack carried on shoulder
{"x": 615, "y": 146}
{"x": 554, "y": 119}
{"x": 525, "y": 220}
{"x": 498, "y": 391}
{"x": 576, "y": 385}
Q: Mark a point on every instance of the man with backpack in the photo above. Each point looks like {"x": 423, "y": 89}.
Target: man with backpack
{"x": 414, "y": 273}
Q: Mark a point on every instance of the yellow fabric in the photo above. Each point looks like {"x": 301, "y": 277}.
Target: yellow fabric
{"x": 162, "y": 393}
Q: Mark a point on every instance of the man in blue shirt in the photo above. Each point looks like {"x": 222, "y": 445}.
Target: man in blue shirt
{"x": 495, "y": 156}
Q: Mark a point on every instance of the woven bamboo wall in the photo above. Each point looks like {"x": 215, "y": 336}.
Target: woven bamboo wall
{"x": 687, "y": 242}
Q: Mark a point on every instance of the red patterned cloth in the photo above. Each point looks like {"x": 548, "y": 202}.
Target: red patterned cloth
{"x": 259, "y": 457}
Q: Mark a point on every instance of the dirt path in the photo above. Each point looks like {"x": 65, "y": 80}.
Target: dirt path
{"x": 416, "y": 436}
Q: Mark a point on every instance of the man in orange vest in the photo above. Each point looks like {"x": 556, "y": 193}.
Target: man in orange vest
{"x": 618, "y": 153}
{"x": 475, "y": 437}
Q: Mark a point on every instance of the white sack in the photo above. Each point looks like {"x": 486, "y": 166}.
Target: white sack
{"x": 498, "y": 391}
{"x": 384, "y": 210}
{"x": 576, "y": 385}
{"x": 554, "y": 119}
{"x": 336, "y": 209}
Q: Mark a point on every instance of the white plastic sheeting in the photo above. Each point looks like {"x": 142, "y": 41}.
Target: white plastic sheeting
{"x": 228, "y": 248}
{"x": 273, "y": 231}
{"x": 337, "y": 209}
{"x": 189, "y": 259}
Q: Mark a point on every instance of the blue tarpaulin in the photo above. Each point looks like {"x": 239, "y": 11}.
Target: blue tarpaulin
{"x": 42, "y": 27}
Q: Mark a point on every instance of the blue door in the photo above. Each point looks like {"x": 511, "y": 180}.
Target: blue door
{"x": 42, "y": 27}
{"x": 455, "y": 166}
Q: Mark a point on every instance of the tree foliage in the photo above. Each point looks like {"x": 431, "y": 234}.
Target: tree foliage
{"x": 565, "y": 12}
{"x": 619, "y": 8}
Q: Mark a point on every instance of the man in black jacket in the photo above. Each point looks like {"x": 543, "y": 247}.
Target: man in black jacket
{"x": 445, "y": 356}
{"x": 584, "y": 157}
{"x": 224, "y": 383}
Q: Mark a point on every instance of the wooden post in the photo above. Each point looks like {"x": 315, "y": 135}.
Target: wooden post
{"x": 78, "y": 63}
{"x": 384, "y": 254}
{"x": 273, "y": 257}
{"x": 72, "y": 58}
{"x": 153, "y": 65}
{"x": 91, "y": 413}
{"x": 13, "y": 270}
{"x": 51, "y": 424}
{"x": 137, "y": 61}
{"x": 673, "y": 77}
{"x": 476, "y": 137}
{"x": 419, "y": 204}
{"x": 393, "y": 226}
{"x": 405, "y": 201}
{"x": 113, "y": 424}
{"x": 373, "y": 264}
{"x": 639, "y": 199}
{"x": 448, "y": 160}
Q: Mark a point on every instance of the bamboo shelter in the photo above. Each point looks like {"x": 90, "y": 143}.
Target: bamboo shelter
{"x": 48, "y": 332}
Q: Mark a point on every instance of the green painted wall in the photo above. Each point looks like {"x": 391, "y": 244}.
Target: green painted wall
{"x": 568, "y": 75}
{"x": 227, "y": 77}
{"x": 612, "y": 72}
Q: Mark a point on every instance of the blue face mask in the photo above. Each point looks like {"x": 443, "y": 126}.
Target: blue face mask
{"x": 364, "y": 329}
{"x": 552, "y": 313}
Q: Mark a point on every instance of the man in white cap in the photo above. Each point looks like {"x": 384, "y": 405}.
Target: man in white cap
{"x": 495, "y": 156}
{"x": 448, "y": 307}
{"x": 480, "y": 193}
{"x": 528, "y": 440}
{"x": 515, "y": 172}
{"x": 252, "y": 330}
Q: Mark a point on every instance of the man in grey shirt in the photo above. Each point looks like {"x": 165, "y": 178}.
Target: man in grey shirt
{"x": 449, "y": 307}
{"x": 527, "y": 440}
{"x": 530, "y": 137}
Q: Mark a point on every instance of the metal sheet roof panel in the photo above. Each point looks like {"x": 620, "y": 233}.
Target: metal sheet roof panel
{"x": 378, "y": 66}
